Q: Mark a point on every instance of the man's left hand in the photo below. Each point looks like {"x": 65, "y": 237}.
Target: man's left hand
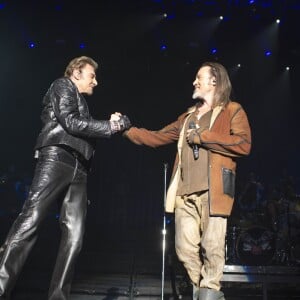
{"x": 193, "y": 136}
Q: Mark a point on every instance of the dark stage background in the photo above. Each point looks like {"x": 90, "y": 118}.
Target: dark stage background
{"x": 147, "y": 65}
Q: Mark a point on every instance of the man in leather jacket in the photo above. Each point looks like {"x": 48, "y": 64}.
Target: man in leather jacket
{"x": 64, "y": 149}
{"x": 210, "y": 136}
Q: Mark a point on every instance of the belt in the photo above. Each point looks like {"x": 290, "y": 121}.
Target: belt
{"x": 76, "y": 155}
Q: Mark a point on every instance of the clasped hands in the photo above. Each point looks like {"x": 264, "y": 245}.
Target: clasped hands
{"x": 193, "y": 136}
{"x": 119, "y": 122}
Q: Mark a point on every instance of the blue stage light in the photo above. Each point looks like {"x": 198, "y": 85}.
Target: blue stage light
{"x": 58, "y": 7}
{"x": 213, "y": 51}
{"x": 268, "y": 53}
{"x": 31, "y": 45}
{"x": 2, "y": 5}
{"x": 82, "y": 46}
{"x": 163, "y": 47}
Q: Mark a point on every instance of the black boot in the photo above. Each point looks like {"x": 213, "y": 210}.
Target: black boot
{"x": 210, "y": 294}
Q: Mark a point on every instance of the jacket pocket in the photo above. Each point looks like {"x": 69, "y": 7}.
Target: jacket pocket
{"x": 228, "y": 182}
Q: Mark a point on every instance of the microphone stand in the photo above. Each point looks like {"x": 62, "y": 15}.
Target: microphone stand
{"x": 164, "y": 233}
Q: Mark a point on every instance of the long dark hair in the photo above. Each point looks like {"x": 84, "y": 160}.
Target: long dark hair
{"x": 223, "y": 84}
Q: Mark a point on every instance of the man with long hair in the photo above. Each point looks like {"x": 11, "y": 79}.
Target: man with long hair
{"x": 210, "y": 136}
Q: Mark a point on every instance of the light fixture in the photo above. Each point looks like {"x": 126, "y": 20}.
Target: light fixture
{"x": 31, "y": 45}
{"x": 163, "y": 47}
{"x": 268, "y": 53}
{"x": 213, "y": 51}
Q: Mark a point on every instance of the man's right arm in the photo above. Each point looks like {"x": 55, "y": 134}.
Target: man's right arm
{"x": 164, "y": 136}
{"x": 65, "y": 107}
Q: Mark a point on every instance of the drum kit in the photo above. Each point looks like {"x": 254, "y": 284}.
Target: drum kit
{"x": 252, "y": 240}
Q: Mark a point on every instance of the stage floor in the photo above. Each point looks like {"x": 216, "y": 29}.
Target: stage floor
{"x": 33, "y": 285}
{"x": 116, "y": 266}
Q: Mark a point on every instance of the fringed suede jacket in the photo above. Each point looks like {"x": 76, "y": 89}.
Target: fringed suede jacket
{"x": 228, "y": 137}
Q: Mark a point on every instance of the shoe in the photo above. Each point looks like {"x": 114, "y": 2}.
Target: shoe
{"x": 210, "y": 294}
{"x": 196, "y": 291}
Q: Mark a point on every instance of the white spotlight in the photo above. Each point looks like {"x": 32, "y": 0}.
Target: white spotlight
{"x": 221, "y": 17}
{"x": 287, "y": 68}
{"x": 239, "y": 65}
{"x": 278, "y": 21}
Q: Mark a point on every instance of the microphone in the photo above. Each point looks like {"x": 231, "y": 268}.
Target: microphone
{"x": 195, "y": 147}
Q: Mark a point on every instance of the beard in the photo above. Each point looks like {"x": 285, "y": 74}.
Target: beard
{"x": 196, "y": 94}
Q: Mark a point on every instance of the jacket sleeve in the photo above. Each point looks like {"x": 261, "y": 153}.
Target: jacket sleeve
{"x": 237, "y": 142}
{"x": 64, "y": 101}
{"x": 164, "y": 136}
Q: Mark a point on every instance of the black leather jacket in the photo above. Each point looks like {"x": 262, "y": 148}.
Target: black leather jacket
{"x": 66, "y": 120}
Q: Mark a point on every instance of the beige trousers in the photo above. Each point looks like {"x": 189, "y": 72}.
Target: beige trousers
{"x": 200, "y": 240}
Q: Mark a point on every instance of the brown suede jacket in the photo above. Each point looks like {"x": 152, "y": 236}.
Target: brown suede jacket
{"x": 228, "y": 137}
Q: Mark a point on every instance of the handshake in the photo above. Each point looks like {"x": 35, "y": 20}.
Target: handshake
{"x": 119, "y": 122}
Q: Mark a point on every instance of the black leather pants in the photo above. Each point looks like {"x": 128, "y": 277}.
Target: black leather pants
{"x": 58, "y": 174}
